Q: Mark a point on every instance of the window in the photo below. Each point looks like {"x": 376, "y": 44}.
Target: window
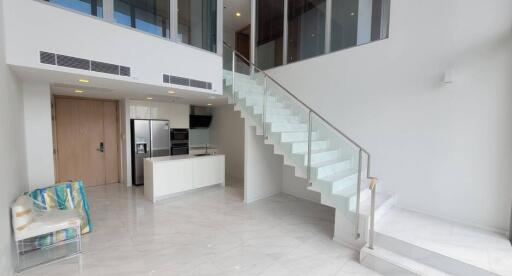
{"x": 151, "y": 16}
{"x": 306, "y": 28}
{"x": 269, "y": 33}
{"x": 197, "y": 23}
{"x": 92, "y": 7}
{"x": 356, "y": 22}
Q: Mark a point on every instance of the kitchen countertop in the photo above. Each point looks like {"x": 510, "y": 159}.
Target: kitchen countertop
{"x": 179, "y": 157}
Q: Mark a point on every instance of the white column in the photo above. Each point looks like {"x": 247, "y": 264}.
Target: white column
{"x": 38, "y": 134}
{"x": 220, "y": 27}
{"x": 108, "y": 10}
{"x": 285, "y": 32}
{"x": 174, "y": 19}
{"x": 253, "y": 32}
{"x": 328, "y": 18}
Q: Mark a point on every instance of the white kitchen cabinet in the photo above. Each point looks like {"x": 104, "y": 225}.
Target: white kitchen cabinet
{"x": 177, "y": 114}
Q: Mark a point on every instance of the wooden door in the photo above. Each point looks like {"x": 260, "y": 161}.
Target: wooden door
{"x": 87, "y": 140}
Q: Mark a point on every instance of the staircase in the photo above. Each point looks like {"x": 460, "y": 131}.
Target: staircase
{"x": 335, "y": 165}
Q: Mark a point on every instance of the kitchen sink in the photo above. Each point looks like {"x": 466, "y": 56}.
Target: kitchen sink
{"x": 202, "y": 154}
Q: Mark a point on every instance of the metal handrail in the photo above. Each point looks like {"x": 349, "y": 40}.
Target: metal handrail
{"x": 312, "y": 111}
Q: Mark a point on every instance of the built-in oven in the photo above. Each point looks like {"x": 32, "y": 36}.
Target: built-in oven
{"x": 179, "y": 134}
{"x": 179, "y": 141}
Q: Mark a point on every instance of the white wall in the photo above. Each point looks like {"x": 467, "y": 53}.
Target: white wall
{"x": 12, "y": 159}
{"x": 263, "y": 170}
{"x": 445, "y": 150}
{"x": 227, "y": 134}
{"x": 44, "y": 27}
{"x": 38, "y": 134}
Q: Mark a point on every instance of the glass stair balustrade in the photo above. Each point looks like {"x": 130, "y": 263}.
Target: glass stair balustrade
{"x": 338, "y": 167}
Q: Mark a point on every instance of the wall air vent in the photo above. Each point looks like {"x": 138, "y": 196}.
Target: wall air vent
{"x": 83, "y": 64}
{"x": 167, "y": 78}
{"x": 186, "y": 82}
{"x": 103, "y": 67}
{"x": 47, "y": 58}
{"x": 180, "y": 81}
{"x": 73, "y": 62}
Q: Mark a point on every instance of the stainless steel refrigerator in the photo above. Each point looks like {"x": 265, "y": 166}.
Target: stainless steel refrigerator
{"x": 150, "y": 138}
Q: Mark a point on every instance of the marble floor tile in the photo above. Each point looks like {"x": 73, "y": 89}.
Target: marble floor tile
{"x": 208, "y": 232}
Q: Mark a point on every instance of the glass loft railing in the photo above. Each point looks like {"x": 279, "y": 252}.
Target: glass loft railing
{"x": 334, "y": 164}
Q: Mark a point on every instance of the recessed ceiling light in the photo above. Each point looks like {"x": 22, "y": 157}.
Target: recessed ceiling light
{"x": 209, "y": 104}
{"x": 83, "y": 81}
{"x": 238, "y": 14}
{"x": 149, "y": 98}
{"x": 79, "y": 91}
{"x": 171, "y": 92}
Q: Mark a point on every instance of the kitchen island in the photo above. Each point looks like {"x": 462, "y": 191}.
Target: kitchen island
{"x": 168, "y": 176}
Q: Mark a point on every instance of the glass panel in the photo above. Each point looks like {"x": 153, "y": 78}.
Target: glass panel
{"x": 197, "y": 23}
{"x": 92, "y": 7}
{"x": 269, "y": 33}
{"x": 306, "y": 29}
{"x": 151, "y": 16}
{"x": 356, "y": 22}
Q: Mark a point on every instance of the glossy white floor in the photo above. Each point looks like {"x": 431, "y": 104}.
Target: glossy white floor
{"x": 208, "y": 232}
{"x": 484, "y": 249}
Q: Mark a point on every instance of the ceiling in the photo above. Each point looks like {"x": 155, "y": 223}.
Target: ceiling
{"x": 65, "y": 84}
{"x": 233, "y": 22}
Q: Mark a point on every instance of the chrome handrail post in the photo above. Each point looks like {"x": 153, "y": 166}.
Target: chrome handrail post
{"x": 358, "y": 201}
{"x": 265, "y": 94}
{"x": 310, "y": 133}
{"x": 371, "y": 238}
{"x": 234, "y": 70}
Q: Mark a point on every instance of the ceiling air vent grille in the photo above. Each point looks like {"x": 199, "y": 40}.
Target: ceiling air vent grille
{"x": 199, "y": 84}
{"x": 180, "y": 81}
{"x": 47, "y": 58}
{"x": 186, "y": 82}
{"x": 124, "y": 71}
{"x": 73, "y": 62}
{"x": 103, "y": 67}
{"x": 166, "y": 78}
{"x": 83, "y": 64}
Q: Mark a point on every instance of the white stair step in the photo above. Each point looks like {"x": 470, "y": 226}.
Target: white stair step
{"x": 389, "y": 263}
{"x": 302, "y": 147}
{"x": 330, "y": 167}
{"x": 430, "y": 258}
{"x": 272, "y": 110}
{"x": 298, "y": 136}
{"x": 341, "y": 180}
{"x": 277, "y": 118}
{"x": 280, "y": 127}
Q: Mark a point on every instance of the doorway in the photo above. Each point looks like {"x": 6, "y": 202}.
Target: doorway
{"x": 86, "y": 134}
{"x": 243, "y": 42}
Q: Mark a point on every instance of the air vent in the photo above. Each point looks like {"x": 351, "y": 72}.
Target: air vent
{"x": 73, "y": 62}
{"x": 103, "y": 67}
{"x": 83, "y": 64}
{"x": 198, "y": 84}
{"x": 47, "y": 58}
{"x": 179, "y": 81}
{"x": 186, "y": 82}
{"x": 124, "y": 71}
{"x": 166, "y": 78}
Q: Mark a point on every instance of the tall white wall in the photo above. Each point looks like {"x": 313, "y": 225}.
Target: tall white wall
{"x": 263, "y": 173}
{"x": 12, "y": 158}
{"x": 445, "y": 150}
{"x": 38, "y": 134}
{"x": 227, "y": 134}
{"x": 44, "y": 27}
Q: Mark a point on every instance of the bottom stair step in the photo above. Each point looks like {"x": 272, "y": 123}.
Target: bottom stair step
{"x": 389, "y": 263}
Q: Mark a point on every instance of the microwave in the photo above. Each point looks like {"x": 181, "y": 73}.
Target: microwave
{"x": 179, "y": 134}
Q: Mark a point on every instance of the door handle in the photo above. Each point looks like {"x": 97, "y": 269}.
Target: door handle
{"x": 101, "y": 148}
